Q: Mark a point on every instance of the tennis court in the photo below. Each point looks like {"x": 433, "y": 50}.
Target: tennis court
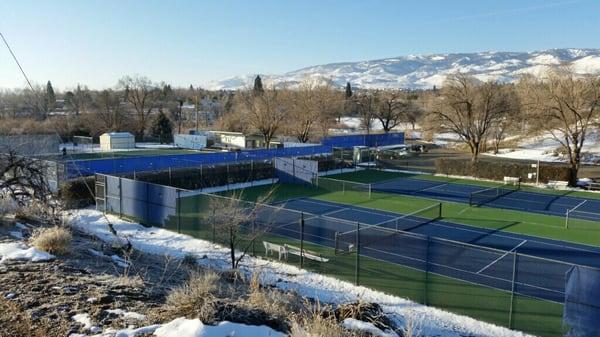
{"x": 548, "y": 204}
{"x": 467, "y": 253}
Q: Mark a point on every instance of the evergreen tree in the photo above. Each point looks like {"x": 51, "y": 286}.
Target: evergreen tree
{"x": 162, "y": 128}
{"x": 348, "y": 90}
{"x": 258, "y": 87}
{"x": 50, "y": 97}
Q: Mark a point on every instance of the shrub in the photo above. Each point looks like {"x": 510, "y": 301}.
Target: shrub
{"x": 53, "y": 240}
{"x": 76, "y": 193}
{"x": 497, "y": 170}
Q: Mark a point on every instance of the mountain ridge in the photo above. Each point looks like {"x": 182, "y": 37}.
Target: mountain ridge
{"x": 423, "y": 71}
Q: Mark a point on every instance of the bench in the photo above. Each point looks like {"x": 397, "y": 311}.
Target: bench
{"x": 273, "y": 247}
{"x": 306, "y": 253}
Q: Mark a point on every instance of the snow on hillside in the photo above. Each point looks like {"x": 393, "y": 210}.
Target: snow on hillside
{"x": 425, "y": 71}
{"x": 430, "y": 321}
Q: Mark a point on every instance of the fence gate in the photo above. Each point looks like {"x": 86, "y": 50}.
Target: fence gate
{"x": 100, "y": 188}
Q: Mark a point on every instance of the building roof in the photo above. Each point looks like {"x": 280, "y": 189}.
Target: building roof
{"x": 118, "y": 134}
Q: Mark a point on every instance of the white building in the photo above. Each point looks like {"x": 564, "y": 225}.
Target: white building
{"x": 117, "y": 141}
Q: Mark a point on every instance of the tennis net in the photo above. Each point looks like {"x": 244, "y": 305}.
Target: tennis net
{"x": 382, "y": 234}
{"x": 481, "y": 197}
{"x": 343, "y": 186}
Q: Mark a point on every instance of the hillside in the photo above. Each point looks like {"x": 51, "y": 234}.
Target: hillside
{"x": 426, "y": 71}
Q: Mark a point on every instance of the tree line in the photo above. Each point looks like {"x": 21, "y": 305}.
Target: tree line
{"x": 481, "y": 114}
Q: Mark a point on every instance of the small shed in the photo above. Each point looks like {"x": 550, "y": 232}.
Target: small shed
{"x": 117, "y": 141}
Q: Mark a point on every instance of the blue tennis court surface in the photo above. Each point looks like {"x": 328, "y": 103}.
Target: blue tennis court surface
{"x": 474, "y": 254}
{"x": 548, "y": 204}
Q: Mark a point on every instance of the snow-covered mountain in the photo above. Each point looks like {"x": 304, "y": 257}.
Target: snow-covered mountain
{"x": 425, "y": 71}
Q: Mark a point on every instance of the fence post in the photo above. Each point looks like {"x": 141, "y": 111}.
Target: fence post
{"x": 357, "y": 270}
{"x": 567, "y": 220}
{"x": 253, "y": 239}
{"x": 120, "y": 199}
{"x": 512, "y": 291}
{"x": 170, "y": 177}
{"x": 302, "y": 240}
{"x": 426, "y": 287}
{"x": 178, "y": 207}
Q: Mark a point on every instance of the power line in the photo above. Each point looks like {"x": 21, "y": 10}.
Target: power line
{"x": 17, "y": 61}
{"x": 110, "y": 225}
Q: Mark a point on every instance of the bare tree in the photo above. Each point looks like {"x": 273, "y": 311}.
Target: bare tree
{"x": 110, "y": 111}
{"x": 312, "y": 105}
{"x": 469, "y": 109}
{"x": 367, "y": 103}
{"x": 264, "y": 111}
{"x": 565, "y": 106}
{"x": 24, "y": 180}
{"x": 78, "y": 100}
{"x": 236, "y": 223}
{"x": 143, "y": 94}
{"x": 394, "y": 108}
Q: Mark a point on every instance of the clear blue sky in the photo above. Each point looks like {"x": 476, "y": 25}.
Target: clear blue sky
{"x": 193, "y": 42}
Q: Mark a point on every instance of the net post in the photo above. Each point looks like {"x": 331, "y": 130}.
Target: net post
{"x": 337, "y": 242}
{"x": 370, "y": 189}
{"x": 567, "y": 220}
{"x": 357, "y": 266}
{"x": 512, "y": 290}
{"x": 170, "y": 177}
{"x": 426, "y": 290}
{"x": 439, "y": 210}
{"x": 301, "y": 240}
{"x": 343, "y": 187}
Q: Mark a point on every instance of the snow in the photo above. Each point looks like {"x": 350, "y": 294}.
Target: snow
{"x": 356, "y": 325}
{"x": 544, "y": 148}
{"x": 19, "y": 251}
{"x": 182, "y": 327}
{"x": 127, "y": 314}
{"x": 16, "y": 234}
{"x": 86, "y": 321}
{"x": 431, "y": 321}
{"x": 425, "y": 71}
{"x": 86, "y": 148}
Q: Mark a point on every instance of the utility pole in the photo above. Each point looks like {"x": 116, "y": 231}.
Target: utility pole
{"x": 179, "y": 117}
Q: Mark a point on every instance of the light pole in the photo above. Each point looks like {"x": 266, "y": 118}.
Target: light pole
{"x": 179, "y": 117}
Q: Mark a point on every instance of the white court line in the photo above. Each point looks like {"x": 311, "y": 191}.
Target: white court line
{"x": 432, "y": 187}
{"x": 501, "y": 257}
{"x": 474, "y": 229}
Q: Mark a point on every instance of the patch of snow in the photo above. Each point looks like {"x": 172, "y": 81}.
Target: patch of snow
{"x": 356, "y": 325}
{"x": 9, "y": 296}
{"x": 92, "y": 300}
{"x": 16, "y": 234}
{"x": 119, "y": 261}
{"x": 432, "y": 321}
{"x": 19, "y": 251}
{"x": 127, "y": 314}
{"x": 182, "y": 327}
{"x": 86, "y": 321}
{"x": 22, "y": 226}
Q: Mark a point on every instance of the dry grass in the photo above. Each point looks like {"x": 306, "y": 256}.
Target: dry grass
{"x": 196, "y": 298}
{"x": 16, "y": 323}
{"x": 319, "y": 323}
{"x": 53, "y": 240}
{"x": 276, "y": 304}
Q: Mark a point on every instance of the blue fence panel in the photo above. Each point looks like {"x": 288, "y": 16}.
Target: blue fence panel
{"x": 371, "y": 140}
{"x": 80, "y": 168}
